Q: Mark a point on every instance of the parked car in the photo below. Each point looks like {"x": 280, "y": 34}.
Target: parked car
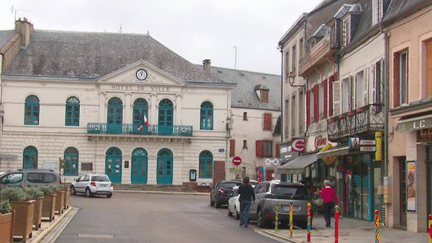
{"x": 92, "y": 184}
{"x": 29, "y": 177}
{"x": 234, "y": 204}
{"x": 221, "y": 192}
{"x": 251, "y": 182}
{"x": 266, "y": 193}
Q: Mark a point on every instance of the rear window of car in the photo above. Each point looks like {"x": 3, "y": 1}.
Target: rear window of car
{"x": 229, "y": 185}
{"x": 100, "y": 178}
{"x": 289, "y": 190}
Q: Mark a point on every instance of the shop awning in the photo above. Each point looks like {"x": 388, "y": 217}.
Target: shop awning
{"x": 297, "y": 165}
{"x": 335, "y": 151}
{"x": 416, "y": 123}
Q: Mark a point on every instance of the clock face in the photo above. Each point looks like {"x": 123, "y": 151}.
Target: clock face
{"x": 141, "y": 74}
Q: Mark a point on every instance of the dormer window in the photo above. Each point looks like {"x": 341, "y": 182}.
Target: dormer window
{"x": 346, "y": 31}
{"x": 377, "y": 11}
{"x": 263, "y": 93}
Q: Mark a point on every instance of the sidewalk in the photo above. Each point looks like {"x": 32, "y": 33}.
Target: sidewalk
{"x": 350, "y": 230}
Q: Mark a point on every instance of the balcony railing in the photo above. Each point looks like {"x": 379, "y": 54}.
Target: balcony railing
{"x": 366, "y": 119}
{"x": 104, "y": 128}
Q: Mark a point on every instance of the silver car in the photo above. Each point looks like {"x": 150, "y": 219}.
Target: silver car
{"x": 29, "y": 177}
{"x": 234, "y": 204}
{"x": 267, "y": 193}
{"x": 92, "y": 184}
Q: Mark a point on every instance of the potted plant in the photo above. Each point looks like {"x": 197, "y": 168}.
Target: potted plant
{"x": 49, "y": 201}
{"x": 6, "y": 222}
{"x": 36, "y": 194}
{"x": 24, "y": 209}
{"x": 59, "y": 205}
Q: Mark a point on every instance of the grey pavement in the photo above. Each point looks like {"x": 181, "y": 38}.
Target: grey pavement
{"x": 350, "y": 230}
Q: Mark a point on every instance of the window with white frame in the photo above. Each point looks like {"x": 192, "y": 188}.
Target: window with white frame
{"x": 359, "y": 90}
{"x": 345, "y": 101}
{"x": 403, "y": 77}
{"x": 346, "y": 31}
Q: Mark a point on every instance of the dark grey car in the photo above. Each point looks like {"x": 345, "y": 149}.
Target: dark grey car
{"x": 267, "y": 193}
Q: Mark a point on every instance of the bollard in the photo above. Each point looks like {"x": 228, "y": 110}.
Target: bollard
{"x": 291, "y": 218}
{"x": 276, "y": 215}
{"x": 309, "y": 223}
{"x": 430, "y": 228}
{"x": 377, "y": 234}
{"x": 336, "y": 224}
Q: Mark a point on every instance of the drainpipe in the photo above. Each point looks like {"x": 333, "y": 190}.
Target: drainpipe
{"x": 386, "y": 96}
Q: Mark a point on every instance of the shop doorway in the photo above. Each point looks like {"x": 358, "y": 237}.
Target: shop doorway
{"x": 358, "y": 176}
{"x": 429, "y": 180}
{"x": 403, "y": 191}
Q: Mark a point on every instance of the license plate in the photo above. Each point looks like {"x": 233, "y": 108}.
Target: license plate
{"x": 103, "y": 185}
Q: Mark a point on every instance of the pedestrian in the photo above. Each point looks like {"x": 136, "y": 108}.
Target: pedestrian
{"x": 247, "y": 196}
{"x": 329, "y": 197}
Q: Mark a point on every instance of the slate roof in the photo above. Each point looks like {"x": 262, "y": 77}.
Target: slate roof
{"x": 91, "y": 55}
{"x": 243, "y": 95}
{"x": 365, "y": 22}
{"x": 342, "y": 11}
{"x": 5, "y": 36}
{"x": 402, "y": 8}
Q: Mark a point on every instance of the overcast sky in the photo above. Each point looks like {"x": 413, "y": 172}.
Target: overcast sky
{"x": 194, "y": 29}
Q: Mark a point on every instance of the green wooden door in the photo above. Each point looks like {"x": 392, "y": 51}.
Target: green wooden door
{"x": 139, "y": 166}
{"x": 166, "y": 116}
{"x": 115, "y": 116}
{"x": 113, "y": 165}
{"x": 164, "y": 167}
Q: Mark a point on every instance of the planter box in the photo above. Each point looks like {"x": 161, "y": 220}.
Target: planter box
{"x": 66, "y": 198}
{"x": 7, "y": 224}
{"x": 37, "y": 216}
{"x": 59, "y": 205}
{"x": 48, "y": 208}
{"x": 24, "y": 219}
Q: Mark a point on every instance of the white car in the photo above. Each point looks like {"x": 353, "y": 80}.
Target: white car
{"x": 234, "y": 204}
{"x": 92, "y": 184}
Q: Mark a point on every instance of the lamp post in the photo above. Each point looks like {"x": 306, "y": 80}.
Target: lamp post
{"x": 291, "y": 80}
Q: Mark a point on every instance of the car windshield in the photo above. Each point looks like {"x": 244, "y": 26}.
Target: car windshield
{"x": 100, "y": 178}
{"x": 289, "y": 190}
{"x": 229, "y": 185}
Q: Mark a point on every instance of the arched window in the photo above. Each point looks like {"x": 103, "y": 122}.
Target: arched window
{"x": 30, "y": 158}
{"x": 72, "y": 112}
{"x": 206, "y": 164}
{"x": 31, "y": 116}
{"x": 115, "y": 116}
{"x": 140, "y": 109}
{"x": 70, "y": 164}
{"x": 206, "y": 116}
{"x": 166, "y": 117}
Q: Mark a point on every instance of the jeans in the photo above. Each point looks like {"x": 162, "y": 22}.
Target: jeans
{"x": 327, "y": 209}
{"x": 244, "y": 212}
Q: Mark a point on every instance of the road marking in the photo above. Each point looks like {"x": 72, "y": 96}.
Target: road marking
{"x": 96, "y": 236}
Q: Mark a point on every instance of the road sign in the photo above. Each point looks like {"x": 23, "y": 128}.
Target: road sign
{"x": 237, "y": 161}
{"x": 368, "y": 148}
{"x": 367, "y": 142}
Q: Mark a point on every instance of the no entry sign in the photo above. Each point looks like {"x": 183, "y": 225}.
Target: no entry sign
{"x": 237, "y": 161}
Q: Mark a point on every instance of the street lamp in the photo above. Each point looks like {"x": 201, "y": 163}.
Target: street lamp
{"x": 291, "y": 79}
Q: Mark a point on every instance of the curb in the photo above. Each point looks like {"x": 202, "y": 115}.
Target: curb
{"x": 53, "y": 231}
{"x": 164, "y": 192}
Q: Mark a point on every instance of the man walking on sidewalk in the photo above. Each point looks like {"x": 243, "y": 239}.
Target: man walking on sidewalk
{"x": 247, "y": 196}
{"x": 328, "y": 195}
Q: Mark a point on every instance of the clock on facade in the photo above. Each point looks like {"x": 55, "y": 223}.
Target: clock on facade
{"x": 141, "y": 74}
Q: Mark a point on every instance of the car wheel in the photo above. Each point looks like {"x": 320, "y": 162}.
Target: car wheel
{"x": 260, "y": 220}
{"x": 88, "y": 193}
{"x": 109, "y": 195}
{"x": 236, "y": 214}
{"x": 72, "y": 190}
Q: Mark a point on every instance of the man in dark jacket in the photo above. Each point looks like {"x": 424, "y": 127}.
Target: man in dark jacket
{"x": 247, "y": 196}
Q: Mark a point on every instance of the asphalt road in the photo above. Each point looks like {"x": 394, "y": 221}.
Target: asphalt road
{"x": 130, "y": 217}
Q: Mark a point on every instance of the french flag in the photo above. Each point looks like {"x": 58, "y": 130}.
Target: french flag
{"x": 143, "y": 122}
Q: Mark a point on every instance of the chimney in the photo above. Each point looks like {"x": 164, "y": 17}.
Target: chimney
{"x": 206, "y": 65}
{"x": 24, "y": 28}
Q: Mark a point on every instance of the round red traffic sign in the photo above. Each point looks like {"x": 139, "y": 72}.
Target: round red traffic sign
{"x": 237, "y": 161}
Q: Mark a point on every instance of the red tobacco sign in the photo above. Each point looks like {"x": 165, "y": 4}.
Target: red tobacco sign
{"x": 298, "y": 144}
